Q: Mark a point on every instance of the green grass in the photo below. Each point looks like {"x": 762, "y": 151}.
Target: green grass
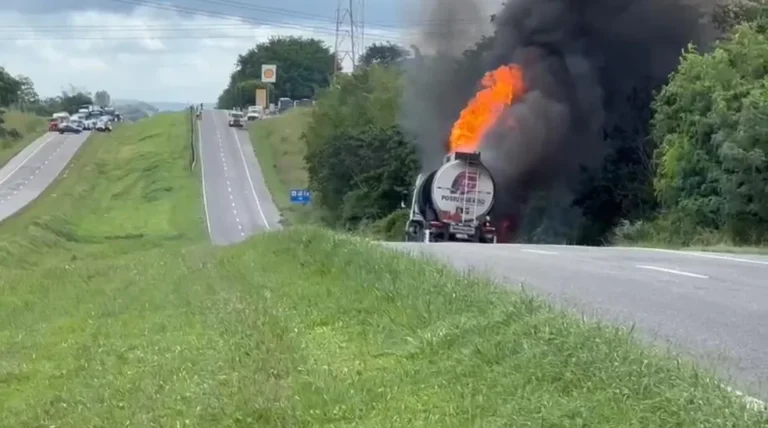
{"x": 278, "y": 146}
{"x": 124, "y": 191}
{"x": 29, "y": 126}
{"x": 307, "y": 328}
{"x": 656, "y": 234}
{"x": 129, "y": 318}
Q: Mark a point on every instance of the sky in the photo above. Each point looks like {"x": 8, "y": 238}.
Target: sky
{"x": 172, "y": 50}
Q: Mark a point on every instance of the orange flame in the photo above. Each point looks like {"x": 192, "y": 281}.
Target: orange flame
{"x": 501, "y": 87}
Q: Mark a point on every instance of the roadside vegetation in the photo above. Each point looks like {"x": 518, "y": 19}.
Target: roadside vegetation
{"x": 711, "y": 165}
{"x": 280, "y": 150}
{"x": 17, "y": 131}
{"x": 125, "y": 191}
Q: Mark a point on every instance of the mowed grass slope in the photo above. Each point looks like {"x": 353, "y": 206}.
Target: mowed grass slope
{"x": 278, "y": 146}
{"x": 28, "y": 125}
{"x": 307, "y": 328}
{"x": 299, "y": 328}
{"x": 128, "y": 190}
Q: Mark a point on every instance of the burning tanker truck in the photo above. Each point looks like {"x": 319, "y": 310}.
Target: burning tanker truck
{"x": 453, "y": 202}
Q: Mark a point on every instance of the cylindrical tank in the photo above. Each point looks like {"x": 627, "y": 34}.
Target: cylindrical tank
{"x": 461, "y": 190}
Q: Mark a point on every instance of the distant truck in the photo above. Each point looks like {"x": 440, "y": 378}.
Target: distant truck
{"x": 453, "y": 203}
{"x": 254, "y": 113}
{"x": 284, "y": 104}
{"x": 236, "y": 119}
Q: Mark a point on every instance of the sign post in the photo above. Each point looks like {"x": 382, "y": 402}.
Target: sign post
{"x": 261, "y": 98}
{"x": 268, "y": 75}
{"x": 301, "y": 196}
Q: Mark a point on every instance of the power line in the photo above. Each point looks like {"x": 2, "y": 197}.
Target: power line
{"x": 348, "y": 32}
{"x": 243, "y": 23}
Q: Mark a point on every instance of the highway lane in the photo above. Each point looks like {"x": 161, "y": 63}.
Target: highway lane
{"x": 237, "y": 202}
{"x": 31, "y": 171}
{"x": 713, "y": 307}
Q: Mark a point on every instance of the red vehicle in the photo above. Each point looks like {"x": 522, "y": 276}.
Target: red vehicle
{"x": 53, "y": 125}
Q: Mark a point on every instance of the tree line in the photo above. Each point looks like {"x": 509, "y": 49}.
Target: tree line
{"x": 699, "y": 176}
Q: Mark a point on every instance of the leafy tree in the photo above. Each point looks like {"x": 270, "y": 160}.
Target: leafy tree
{"x": 358, "y": 160}
{"x": 362, "y": 174}
{"x": 383, "y": 54}
{"x": 27, "y": 94}
{"x": 102, "y": 98}
{"x": 710, "y": 121}
{"x": 9, "y": 88}
{"x": 726, "y": 16}
{"x": 303, "y": 66}
{"x": 368, "y": 96}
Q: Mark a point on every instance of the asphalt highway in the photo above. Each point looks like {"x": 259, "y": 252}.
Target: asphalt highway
{"x": 237, "y": 202}
{"x": 30, "y": 172}
{"x": 711, "y": 306}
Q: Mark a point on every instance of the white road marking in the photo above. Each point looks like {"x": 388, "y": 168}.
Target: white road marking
{"x": 695, "y": 254}
{"x": 250, "y": 181}
{"x": 538, "y": 251}
{"x": 733, "y": 259}
{"x": 752, "y": 402}
{"x": 24, "y": 162}
{"x": 202, "y": 169}
{"x": 676, "y": 272}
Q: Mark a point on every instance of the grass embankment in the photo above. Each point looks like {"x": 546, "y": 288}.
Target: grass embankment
{"x": 124, "y": 191}
{"x": 29, "y": 127}
{"x": 295, "y": 328}
{"x": 280, "y": 150}
{"x": 306, "y": 328}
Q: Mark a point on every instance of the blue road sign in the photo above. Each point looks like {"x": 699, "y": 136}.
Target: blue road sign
{"x": 301, "y": 196}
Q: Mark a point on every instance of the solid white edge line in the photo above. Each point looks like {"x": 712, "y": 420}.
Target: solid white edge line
{"x": 250, "y": 181}
{"x": 538, "y": 251}
{"x": 202, "y": 173}
{"x": 676, "y": 272}
{"x": 24, "y": 162}
{"x": 696, "y": 254}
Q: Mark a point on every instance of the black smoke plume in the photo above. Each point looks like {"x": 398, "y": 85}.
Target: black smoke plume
{"x": 585, "y": 62}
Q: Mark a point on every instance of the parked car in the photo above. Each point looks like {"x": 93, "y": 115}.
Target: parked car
{"x": 71, "y": 127}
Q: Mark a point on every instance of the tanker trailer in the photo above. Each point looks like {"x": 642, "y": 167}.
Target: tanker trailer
{"x": 453, "y": 202}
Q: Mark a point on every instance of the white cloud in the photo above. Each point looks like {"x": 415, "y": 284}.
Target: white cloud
{"x": 148, "y": 54}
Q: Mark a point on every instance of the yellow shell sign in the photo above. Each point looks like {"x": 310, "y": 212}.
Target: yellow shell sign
{"x": 268, "y": 73}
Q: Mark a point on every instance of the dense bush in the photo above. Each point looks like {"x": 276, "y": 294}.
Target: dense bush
{"x": 710, "y": 122}
{"x": 359, "y": 162}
